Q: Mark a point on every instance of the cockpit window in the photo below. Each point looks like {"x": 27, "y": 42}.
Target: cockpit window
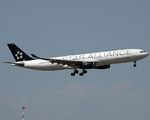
{"x": 142, "y": 51}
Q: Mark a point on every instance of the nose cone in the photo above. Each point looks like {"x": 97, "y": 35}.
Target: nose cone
{"x": 143, "y": 54}
{"x": 146, "y": 54}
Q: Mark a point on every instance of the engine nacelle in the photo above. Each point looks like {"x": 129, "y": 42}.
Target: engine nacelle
{"x": 103, "y": 67}
{"x": 90, "y": 65}
{"x": 87, "y": 65}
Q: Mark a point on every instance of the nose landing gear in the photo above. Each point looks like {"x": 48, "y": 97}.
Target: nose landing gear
{"x": 134, "y": 64}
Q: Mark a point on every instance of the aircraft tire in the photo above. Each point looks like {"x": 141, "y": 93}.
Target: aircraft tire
{"x": 81, "y": 74}
{"x": 76, "y": 71}
{"x": 72, "y": 74}
{"x": 134, "y": 65}
{"x": 84, "y": 71}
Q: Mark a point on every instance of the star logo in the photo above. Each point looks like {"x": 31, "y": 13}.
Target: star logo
{"x": 19, "y": 55}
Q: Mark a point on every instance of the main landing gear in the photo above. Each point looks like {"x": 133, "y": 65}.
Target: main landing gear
{"x": 83, "y": 72}
{"x": 134, "y": 64}
{"x": 76, "y": 72}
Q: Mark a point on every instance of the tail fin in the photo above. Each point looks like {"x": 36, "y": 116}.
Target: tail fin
{"x": 18, "y": 54}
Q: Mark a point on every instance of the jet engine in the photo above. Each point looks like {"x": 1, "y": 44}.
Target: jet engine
{"x": 87, "y": 65}
{"x": 103, "y": 67}
{"x": 90, "y": 65}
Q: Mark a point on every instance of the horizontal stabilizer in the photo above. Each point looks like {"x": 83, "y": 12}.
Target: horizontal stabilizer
{"x": 21, "y": 64}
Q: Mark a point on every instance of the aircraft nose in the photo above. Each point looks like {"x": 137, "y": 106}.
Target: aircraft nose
{"x": 146, "y": 54}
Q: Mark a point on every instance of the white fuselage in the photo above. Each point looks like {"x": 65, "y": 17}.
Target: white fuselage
{"x": 100, "y": 59}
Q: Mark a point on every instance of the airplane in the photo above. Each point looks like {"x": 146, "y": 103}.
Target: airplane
{"x": 98, "y": 60}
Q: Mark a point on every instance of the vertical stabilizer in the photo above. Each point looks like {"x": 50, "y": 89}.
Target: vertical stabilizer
{"x": 18, "y": 54}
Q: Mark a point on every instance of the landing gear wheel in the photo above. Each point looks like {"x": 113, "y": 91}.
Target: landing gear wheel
{"x": 72, "y": 74}
{"x": 76, "y": 71}
{"x": 84, "y": 71}
{"x": 81, "y": 74}
{"x": 134, "y": 65}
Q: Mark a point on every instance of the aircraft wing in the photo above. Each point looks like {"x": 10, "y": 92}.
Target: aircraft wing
{"x": 60, "y": 61}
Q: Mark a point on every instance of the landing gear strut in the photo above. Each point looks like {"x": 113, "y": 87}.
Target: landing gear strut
{"x": 83, "y": 72}
{"x": 75, "y": 72}
{"x": 134, "y": 64}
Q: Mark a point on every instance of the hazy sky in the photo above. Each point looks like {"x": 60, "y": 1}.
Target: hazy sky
{"x": 50, "y": 28}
